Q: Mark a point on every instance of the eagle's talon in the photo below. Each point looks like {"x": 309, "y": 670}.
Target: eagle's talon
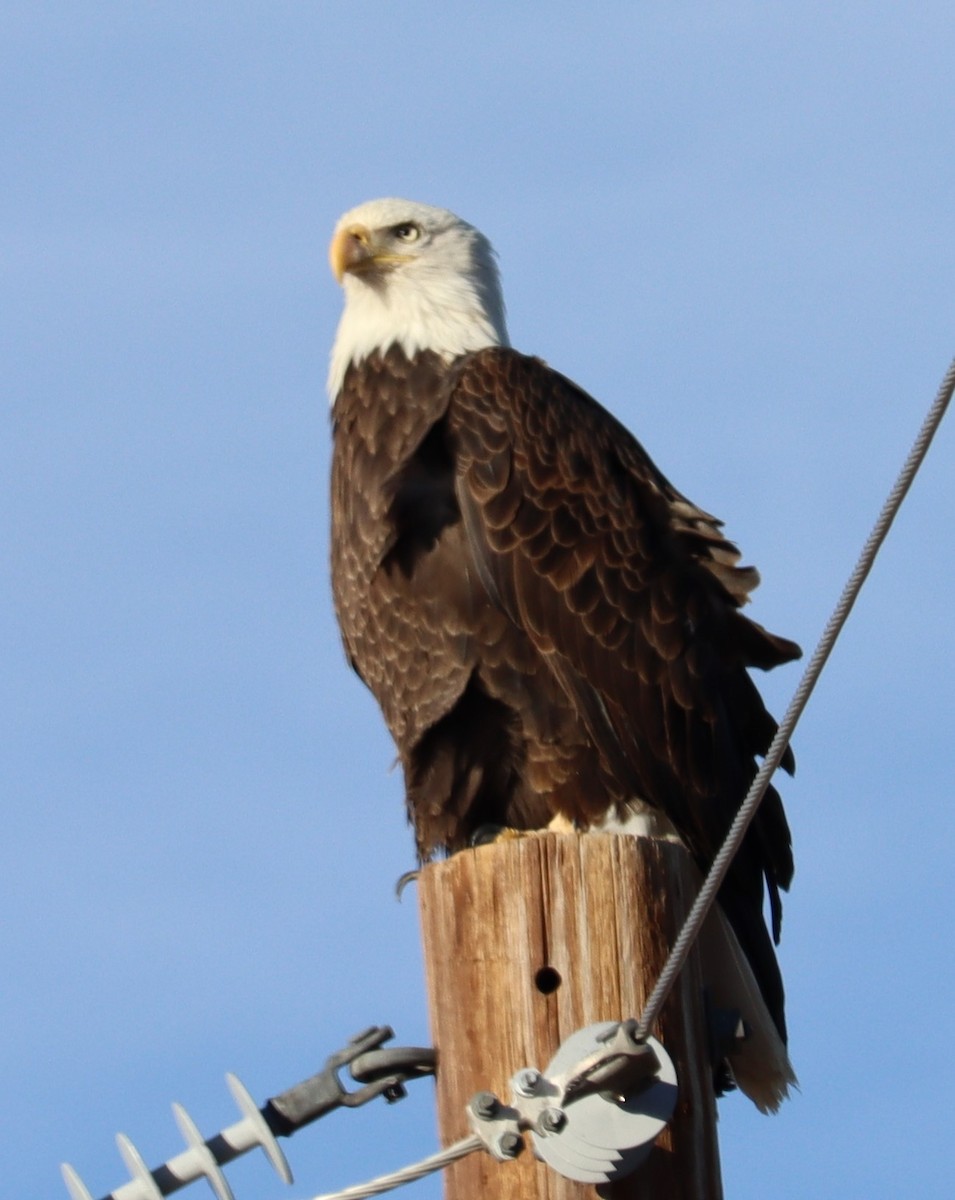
{"x": 403, "y": 881}
{"x": 487, "y": 835}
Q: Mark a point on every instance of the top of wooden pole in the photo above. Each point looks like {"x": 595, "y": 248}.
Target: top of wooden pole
{"x": 532, "y": 938}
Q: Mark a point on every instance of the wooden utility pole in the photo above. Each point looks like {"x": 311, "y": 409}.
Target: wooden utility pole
{"x": 532, "y": 938}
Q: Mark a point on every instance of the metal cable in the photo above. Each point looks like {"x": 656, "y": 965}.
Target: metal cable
{"x": 427, "y": 1166}
{"x": 707, "y": 894}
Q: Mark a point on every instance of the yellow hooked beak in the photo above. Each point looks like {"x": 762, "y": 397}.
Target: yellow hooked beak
{"x": 356, "y": 249}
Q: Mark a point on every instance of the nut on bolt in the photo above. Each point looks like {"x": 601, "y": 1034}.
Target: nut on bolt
{"x": 551, "y": 1120}
{"x": 484, "y": 1105}
{"x": 526, "y": 1082}
{"x": 509, "y": 1144}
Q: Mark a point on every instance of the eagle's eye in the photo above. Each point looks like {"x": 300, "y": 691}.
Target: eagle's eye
{"x": 407, "y": 232}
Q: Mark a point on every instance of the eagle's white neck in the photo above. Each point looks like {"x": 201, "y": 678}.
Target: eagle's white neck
{"x": 419, "y": 306}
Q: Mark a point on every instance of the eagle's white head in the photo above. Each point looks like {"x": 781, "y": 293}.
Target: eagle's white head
{"x": 414, "y": 276}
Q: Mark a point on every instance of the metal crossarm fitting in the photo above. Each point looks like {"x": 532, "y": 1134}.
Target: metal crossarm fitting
{"x": 377, "y": 1071}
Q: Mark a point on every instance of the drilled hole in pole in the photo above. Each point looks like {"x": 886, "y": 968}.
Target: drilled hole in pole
{"x": 547, "y": 980}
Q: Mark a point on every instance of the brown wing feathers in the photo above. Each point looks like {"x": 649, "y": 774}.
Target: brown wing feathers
{"x": 630, "y": 592}
{"x": 547, "y": 624}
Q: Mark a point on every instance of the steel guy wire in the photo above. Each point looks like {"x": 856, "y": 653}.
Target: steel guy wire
{"x": 427, "y": 1166}
{"x": 707, "y": 894}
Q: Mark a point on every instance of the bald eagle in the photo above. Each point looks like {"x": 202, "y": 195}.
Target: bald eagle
{"x": 551, "y": 629}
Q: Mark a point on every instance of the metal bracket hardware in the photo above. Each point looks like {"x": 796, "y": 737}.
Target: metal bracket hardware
{"x": 594, "y": 1113}
{"x": 619, "y": 1065}
{"x": 380, "y": 1072}
{"x": 498, "y": 1126}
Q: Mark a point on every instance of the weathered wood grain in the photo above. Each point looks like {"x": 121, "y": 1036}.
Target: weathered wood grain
{"x": 601, "y": 911}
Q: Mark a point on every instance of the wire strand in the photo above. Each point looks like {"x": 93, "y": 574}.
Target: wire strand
{"x": 427, "y": 1166}
{"x": 707, "y": 894}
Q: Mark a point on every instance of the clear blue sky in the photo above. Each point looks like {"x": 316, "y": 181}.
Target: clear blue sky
{"x": 734, "y": 223}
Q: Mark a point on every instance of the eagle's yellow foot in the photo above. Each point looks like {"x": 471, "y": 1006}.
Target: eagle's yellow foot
{"x": 485, "y": 835}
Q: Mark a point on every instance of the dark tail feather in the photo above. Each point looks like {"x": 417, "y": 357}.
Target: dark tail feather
{"x": 754, "y": 939}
